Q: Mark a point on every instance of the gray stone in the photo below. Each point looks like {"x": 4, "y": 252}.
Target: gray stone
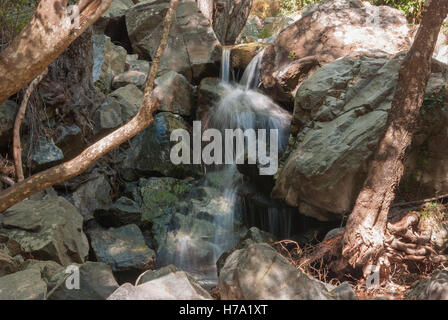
{"x": 174, "y": 286}
{"x": 122, "y": 248}
{"x": 46, "y": 153}
{"x": 192, "y": 44}
{"x": 8, "y": 111}
{"x": 52, "y": 273}
{"x": 108, "y": 61}
{"x": 122, "y": 212}
{"x": 7, "y": 264}
{"x": 175, "y": 93}
{"x": 97, "y": 282}
{"x": 130, "y": 99}
{"x": 48, "y": 229}
{"x": 23, "y": 285}
{"x": 93, "y": 195}
{"x": 136, "y": 78}
{"x": 150, "y": 275}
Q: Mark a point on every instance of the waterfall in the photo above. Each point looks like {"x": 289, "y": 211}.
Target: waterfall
{"x": 225, "y": 65}
{"x": 251, "y": 76}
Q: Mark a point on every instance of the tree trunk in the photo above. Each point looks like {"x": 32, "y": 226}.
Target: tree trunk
{"x": 76, "y": 166}
{"x": 365, "y": 230}
{"x": 51, "y": 30}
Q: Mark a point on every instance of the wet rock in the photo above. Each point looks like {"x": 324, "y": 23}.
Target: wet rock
{"x": 174, "y": 286}
{"x": 96, "y": 282}
{"x": 150, "y": 150}
{"x": 432, "y": 288}
{"x": 327, "y": 31}
{"x": 192, "y": 44}
{"x": 108, "y": 61}
{"x": 209, "y": 93}
{"x": 47, "y": 229}
{"x": 175, "y": 93}
{"x": 93, "y": 195}
{"x": 123, "y": 248}
{"x": 23, "y": 285}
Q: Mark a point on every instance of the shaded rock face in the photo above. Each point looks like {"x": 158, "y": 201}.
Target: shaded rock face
{"x": 96, "y": 282}
{"x": 192, "y": 47}
{"x": 47, "y": 229}
{"x": 23, "y": 285}
{"x": 339, "y": 115}
{"x": 8, "y": 111}
{"x": 45, "y": 154}
{"x": 150, "y": 150}
{"x": 327, "y": 31}
{"x": 433, "y": 288}
{"x": 173, "y": 286}
{"x": 93, "y": 195}
{"x": 108, "y": 60}
{"x": 7, "y": 264}
{"x": 124, "y": 248}
{"x": 229, "y": 18}
{"x": 258, "y": 272}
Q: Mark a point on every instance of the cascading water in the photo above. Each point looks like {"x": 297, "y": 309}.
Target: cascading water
{"x": 240, "y": 107}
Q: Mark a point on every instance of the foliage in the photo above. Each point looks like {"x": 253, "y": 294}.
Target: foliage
{"x": 413, "y": 9}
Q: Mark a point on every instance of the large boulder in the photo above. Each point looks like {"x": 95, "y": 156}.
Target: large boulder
{"x": 123, "y": 249}
{"x": 23, "y": 285}
{"x": 339, "y": 116}
{"x": 192, "y": 50}
{"x": 259, "y": 272}
{"x": 150, "y": 150}
{"x": 173, "y": 286}
{"x": 432, "y": 288}
{"x": 47, "y": 229}
{"x": 327, "y": 31}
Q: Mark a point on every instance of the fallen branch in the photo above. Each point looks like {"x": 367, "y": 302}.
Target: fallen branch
{"x": 79, "y": 164}
{"x": 17, "y": 148}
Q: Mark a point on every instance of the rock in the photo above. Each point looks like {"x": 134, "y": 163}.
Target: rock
{"x": 93, "y": 195}
{"x": 241, "y": 55}
{"x": 108, "y": 115}
{"x": 122, "y": 212}
{"x": 48, "y": 230}
{"x": 229, "y": 19}
{"x": 150, "y": 150}
{"x": 52, "y": 273}
{"x": 136, "y": 78}
{"x": 7, "y": 264}
{"x": 134, "y": 64}
{"x": 174, "y": 286}
{"x": 433, "y": 288}
{"x": 258, "y": 272}
{"x": 122, "y": 248}
{"x": 443, "y": 55}
{"x": 96, "y": 282}
{"x": 253, "y": 235}
{"x": 193, "y": 47}
{"x": 23, "y": 285}
{"x": 251, "y": 30}
{"x": 175, "y": 93}
{"x": 8, "y": 111}
{"x": 344, "y": 292}
{"x": 45, "y": 154}
{"x": 339, "y": 115}
{"x": 266, "y": 31}
{"x": 327, "y": 31}
{"x": 70, "y": 140}
{"x": 150, "y": 275}
{"x": 108, "y": 61}
{"x": 209, "y": 93}
{"x": 160, "y": 197}
{"x": 130, "y": 99}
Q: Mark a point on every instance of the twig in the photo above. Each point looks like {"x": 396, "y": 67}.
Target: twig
{"x": 17, "y": 148}
{"x": 410, "y": 203}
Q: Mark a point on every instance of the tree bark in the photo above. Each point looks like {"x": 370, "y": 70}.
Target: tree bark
{"x": 49, "y": 33}
{"x": 76, "y": 166}
{"x": 366, "y": 226}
